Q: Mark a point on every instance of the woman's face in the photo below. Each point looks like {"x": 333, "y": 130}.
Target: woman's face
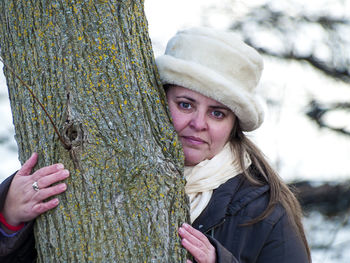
{"x": 203, "y": 124}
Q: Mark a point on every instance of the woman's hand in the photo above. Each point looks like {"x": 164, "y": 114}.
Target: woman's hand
{"x": 23, "y": 202}
{"x": 197, "y": 244}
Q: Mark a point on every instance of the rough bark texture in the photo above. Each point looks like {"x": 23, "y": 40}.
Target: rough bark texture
{"x": 91, "y": 65}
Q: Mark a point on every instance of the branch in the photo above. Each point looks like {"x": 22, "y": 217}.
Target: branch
{"x": 329, "y": 199}
{"x": 65, "y": 145}
{"x": 281, "y": 25}
{"x": 341, "y": 74}
{"x": 317, "y": 113}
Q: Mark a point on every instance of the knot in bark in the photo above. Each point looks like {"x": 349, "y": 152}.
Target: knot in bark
{"x": 73, "y": 134}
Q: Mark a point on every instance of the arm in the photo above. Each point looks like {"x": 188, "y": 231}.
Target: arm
{"x": 203, "y": 248}
{"x": 222, "y": 254}
{"x": 283, "y": 245}
{"x": 24, "y": 236}
{"x": 197, "y": 244}
{"x": 21, "y": 203}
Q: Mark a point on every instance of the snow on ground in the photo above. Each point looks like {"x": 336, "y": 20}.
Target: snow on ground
{"x": 329, "y": 239}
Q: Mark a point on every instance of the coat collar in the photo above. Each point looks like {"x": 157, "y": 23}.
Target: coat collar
{"x": 216, "y": 209}
{"x": 228, "y": 199}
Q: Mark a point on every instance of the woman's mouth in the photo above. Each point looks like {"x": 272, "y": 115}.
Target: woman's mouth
{"x": 193, "y": 140}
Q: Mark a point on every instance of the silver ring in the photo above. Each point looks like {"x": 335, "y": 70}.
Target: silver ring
{"x": 35, "y": 186}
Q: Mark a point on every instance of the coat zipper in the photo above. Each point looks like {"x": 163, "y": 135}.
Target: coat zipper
{"x": 211, "y": 229}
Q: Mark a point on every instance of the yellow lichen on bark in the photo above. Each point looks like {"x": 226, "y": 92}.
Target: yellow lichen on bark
{"x": 91, "y": 63}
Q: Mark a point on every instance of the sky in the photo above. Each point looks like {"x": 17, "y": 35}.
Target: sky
{"x": 293, "y": 144}
{"x": 9, "y": 159}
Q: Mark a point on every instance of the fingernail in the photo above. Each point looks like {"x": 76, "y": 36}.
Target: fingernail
{"x": 181, "y": 230}
{"x": 65, "y": 173}
{"x": 59, "y": 166}
{"x": 63, "y": 187}
{"x": 185, "y": 225}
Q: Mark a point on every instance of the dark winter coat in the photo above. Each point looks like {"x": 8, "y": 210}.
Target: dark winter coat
{"x": 20, "y": 248}
{"x": 272, "y": 240}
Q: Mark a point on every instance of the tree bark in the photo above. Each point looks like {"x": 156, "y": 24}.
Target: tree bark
{"x": 91, "y": 65}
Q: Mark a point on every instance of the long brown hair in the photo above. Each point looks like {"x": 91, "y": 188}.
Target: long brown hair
{"x": 280, "y": 193}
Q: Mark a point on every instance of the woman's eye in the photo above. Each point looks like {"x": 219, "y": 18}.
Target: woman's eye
{"x": 185, "y": 105}
{"x": 218, "y": 114}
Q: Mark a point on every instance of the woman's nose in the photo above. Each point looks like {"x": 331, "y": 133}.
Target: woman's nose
{"x": 199, "y": 122}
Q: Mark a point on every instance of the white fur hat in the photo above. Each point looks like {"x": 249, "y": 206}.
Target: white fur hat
{"x": 218, "y": 65}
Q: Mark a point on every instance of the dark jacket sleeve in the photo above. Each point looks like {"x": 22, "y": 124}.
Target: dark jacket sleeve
{"x": 272, "y": 239}
{"x": 21, "y": 247}
{"x": 222, "y": 254}
{"x": 283, "y": 244}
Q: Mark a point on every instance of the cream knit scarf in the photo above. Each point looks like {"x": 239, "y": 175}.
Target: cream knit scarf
{"x": 208, "y": 175}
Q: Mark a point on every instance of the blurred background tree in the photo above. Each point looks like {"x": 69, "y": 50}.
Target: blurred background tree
{"x": 306, "y": 48}
{"x": 319, "y": 39}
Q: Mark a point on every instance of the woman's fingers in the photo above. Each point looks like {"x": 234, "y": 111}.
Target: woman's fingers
{"x": 50, "y": 179}
{"x": 201, "y": 255}
{"x": 47, "y": 170}
{"x": 192, "y": 248}
{"x": 187, "y": 237}
{"x": 43, "y": 207}
{"x": 26, "y": 200}
{"x": 195, "y": 237}
{"x": 46, "y": 193}
{"x": 28, "y": 165}
{"x": 38, "y": 204}
{"x": 197, "y": 244}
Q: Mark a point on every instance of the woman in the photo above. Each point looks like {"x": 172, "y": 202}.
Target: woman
{"x": 240, "y": 210}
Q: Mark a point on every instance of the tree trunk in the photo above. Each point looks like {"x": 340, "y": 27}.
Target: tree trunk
{"x": 91, "y": 65}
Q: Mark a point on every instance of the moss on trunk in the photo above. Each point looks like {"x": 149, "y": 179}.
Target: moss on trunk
{"x": 91, "y": 65}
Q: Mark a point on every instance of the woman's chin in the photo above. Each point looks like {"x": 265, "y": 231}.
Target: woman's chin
{"x": 193, "y": 157}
